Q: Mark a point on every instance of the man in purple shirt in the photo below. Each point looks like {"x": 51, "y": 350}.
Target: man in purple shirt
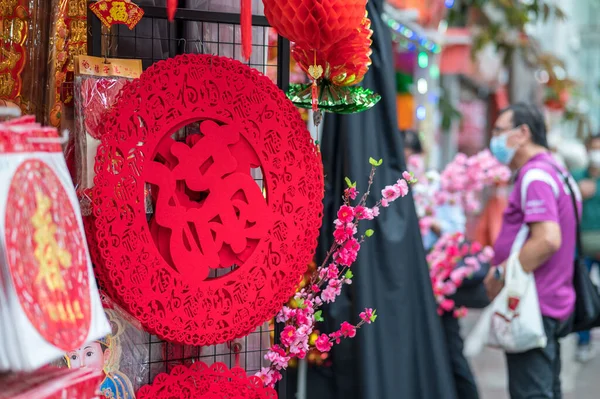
{"x": 541, "y": 220}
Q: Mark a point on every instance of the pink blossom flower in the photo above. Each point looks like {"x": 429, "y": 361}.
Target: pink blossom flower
{"x": 391, "y": 193}
{"x": 458, "y": 275}
{"x": 448, "y": 288}
{"x": 407, "y": 176}
{"x": 375, "y": 210}
{"x": 402, "y": 187}
{"x": 336, "y": 336}
{"x": 332, "y": 271}
{"x": 302, "y": 317}
{"x": 351, "y": 192}
{"x": 328, "y": 295}
{"x": 447, "y": 305}
{"x": 346, "y": 214}
{"x": 284, "y": 315}
{"x": 323, "y": 344}
{"x": 288, "y": 335}
{"x": 348, "y": 330}
{"x": 460, "y": 312}
{"x": 277, "y": 357}
{"x": 366, "y": 315}
{"x": 347, "y": 254}
{"x": 385, "y": 203}
{"x": 344, "y": 232}
{"x": 315, "y": 288}
{"x": 269, "y": 376}
{"x": 361, "y": 212}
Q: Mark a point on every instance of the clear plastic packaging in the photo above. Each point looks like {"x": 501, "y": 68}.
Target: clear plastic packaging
{"x": 98, "y": 83}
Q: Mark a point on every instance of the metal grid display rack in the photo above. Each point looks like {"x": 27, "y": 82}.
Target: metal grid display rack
{"x": 208, "y": 32}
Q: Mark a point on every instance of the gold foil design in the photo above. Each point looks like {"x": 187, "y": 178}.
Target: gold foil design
{"x": 69, "y": 40}
{"x": 50, "y": 256}
{"x": 13, "y": 33}
{"x": 69, "y": 312}
{"x": 7, "y": 84}
{"x": 9, "y": 58}
{"x": 7, "y": 7}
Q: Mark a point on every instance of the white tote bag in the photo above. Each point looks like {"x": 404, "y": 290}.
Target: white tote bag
{"x": 513, "y": 322}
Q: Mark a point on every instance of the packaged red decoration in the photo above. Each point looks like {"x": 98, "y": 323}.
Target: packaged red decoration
{"x": 220, "y": 255}
{"x": 51, "y": 383}
{"x": 49, "y": 302}
{"x": 98, "y": 82}
{"x": 206, "y": 382}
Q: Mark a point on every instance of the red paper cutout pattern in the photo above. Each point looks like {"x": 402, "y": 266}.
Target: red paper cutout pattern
{"x": 201, "y": 381}
{"x": 46, "y": 256}
{"x": 209, "y": 213}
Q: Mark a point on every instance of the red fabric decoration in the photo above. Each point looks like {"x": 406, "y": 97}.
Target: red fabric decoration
{"x": 46, "y": 256}
{"x": 201, "y": 381}
{"x": 209, "y": 213}
{"x": 246, "y": 26}
{"x": 171, "y": 9}
{"x": 315, "y": 24}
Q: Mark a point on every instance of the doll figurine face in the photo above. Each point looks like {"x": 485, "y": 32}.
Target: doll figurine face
{"x": 89, "y": 356}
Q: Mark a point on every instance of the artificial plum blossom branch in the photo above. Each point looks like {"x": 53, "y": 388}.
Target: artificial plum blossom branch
{"x": 326, "y": 283}
{"x": 445, "y": 273}
{"x": 460, "y": 183}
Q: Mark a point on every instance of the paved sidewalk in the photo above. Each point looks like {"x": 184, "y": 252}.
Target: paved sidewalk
{"x": 579, "y": 381}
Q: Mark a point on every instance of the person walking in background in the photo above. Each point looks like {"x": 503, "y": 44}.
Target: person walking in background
{"x": 449, "y": 219}
{"x": 589, "y": 180}
{"x": 541, "y": 202}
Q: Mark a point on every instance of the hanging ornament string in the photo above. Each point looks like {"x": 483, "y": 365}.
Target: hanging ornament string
{"x": 246, "y": 27}
{"x": 245, "y": 23}
{"x": 171, "y": 9}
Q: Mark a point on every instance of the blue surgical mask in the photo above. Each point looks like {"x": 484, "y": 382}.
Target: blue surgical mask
{"x": 503, "y": 153}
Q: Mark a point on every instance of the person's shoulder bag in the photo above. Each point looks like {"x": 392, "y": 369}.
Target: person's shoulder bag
{"x": 587, "y": 302}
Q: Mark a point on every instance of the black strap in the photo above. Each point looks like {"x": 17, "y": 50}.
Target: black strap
{"x": 574, "y": 201}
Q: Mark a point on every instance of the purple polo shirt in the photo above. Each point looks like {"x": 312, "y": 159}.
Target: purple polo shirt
{"x": 547, "y": 198}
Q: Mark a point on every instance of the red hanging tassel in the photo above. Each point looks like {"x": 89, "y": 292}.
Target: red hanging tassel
{"x": 171, "y": 9}
{"x": 246, "y": 26}
{"x": 314, "y": 91}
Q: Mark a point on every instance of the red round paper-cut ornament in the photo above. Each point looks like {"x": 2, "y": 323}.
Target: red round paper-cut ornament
{"x": 46, "y": 256}
{"x": 200, "y": 381}
{"x": 315, "y": 24}
{"x": 218, "y": 257}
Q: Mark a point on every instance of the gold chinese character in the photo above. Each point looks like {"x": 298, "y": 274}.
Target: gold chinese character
{"x": 50, "y": 256}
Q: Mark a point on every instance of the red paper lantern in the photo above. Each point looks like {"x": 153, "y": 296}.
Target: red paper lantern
{"x": 344, "y": 64}
{"x": 201, "y": 381}
{"x": 315, "y": 24}
{"x": 209, "y": 213}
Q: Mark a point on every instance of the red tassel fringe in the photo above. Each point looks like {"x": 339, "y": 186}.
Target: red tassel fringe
{"x": 246, "y": 26}
{"x": 171, "y": 9}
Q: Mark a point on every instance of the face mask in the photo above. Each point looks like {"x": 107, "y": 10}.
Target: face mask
{"x": 500, "y": 149}
{"x": 595, "y": 158}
